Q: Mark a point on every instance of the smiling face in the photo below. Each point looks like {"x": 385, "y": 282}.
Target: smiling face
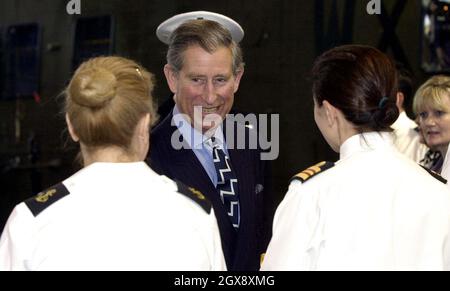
{"x": 206, "y": 80}
{"x": 434, "y": 123}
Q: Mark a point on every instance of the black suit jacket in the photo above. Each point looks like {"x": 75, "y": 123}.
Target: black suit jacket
{"x": 243, "y": 248}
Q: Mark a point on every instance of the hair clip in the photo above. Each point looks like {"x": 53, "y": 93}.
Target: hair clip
{"x": 383, "y": 102}
{"x": 139, "y": 72}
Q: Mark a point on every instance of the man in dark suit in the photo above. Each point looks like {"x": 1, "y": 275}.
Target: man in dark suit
{"x": 194, "y": 145}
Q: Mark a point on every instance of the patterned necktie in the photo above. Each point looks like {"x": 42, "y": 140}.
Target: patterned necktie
{"x": 226, "y": 183}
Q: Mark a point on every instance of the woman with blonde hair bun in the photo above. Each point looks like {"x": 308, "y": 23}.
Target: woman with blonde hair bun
{"x": 115, "y": 213}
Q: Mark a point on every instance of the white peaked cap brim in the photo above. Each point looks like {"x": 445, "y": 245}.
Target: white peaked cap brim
{"x": 165, "y": 29}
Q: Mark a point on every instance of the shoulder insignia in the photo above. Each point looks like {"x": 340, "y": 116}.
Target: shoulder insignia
{"x": 44, "y": 199}
{"x": 312, "y": 171}
{"x": 195, "y": 195}
{"x": 435, "y": 175}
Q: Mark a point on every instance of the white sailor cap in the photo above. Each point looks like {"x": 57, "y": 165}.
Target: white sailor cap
{"x": 165, "y": 29}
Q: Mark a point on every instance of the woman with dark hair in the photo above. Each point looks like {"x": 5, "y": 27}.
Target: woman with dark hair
{"x": 373, "y": 209}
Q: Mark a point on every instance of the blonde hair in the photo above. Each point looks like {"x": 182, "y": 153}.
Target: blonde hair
{"x": 431, "y": 94}
{"x": 105, "y": 100}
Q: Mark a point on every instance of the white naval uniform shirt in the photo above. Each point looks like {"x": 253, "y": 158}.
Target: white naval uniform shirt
{"x": 374, "y": 210}
{"x": 407, "y": 140}
{"x": 445, "y": 172}
{"x": 118, "y": 216}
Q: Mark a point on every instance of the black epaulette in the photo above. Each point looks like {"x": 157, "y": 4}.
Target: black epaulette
{"x": 435, "y": 175}
{"x": 312, "y": 171}
{"x": 195, "y": 195}
{"x": 44, "y": 199}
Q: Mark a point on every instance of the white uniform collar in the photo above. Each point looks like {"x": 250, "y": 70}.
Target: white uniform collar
{"x": 193, "y": 136}
{"x": 403, "y": 121}
{"x": 367, "y": 141}
{"x": 114, "y": 167}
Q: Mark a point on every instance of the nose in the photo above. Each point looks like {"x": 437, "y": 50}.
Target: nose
{"x": 209, "y": 93}
{"x": 429, "y": 121}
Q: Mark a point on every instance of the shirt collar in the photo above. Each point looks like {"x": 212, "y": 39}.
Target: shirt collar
{"x": 193, "y": 137}
{"x": 366, "y": 141}
{"x": 403, "y": 121}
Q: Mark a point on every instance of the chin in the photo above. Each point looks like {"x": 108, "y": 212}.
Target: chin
{"x": 206, "y": 129}
{"x": 212, "y": 125}
{"x": 432, "y": 145}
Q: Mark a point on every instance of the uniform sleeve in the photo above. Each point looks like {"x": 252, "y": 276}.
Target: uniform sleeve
{"x": 295, "y": 224}
{"x": 447, "y": 242}
{"x": 447, "y": 254}
{"x": 216, "y": 252}
{"x": 208, "y": 232}
{"x": 446, "y": 167}
{"x": 205, "y": 224}
{"x": 15, "y": 240}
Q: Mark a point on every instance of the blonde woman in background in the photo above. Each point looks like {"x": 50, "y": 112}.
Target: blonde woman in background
{"x": 432, "y": 106}
{"x": 115, "y": 213}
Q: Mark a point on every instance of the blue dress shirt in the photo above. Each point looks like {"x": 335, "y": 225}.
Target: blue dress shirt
{"x": 200, "y": 144}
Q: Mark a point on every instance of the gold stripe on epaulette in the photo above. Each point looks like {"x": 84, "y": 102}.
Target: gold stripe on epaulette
{"x": 305, "y": 174}
{"x": 302, "y": 176}
{"x": 311, "y": 171}
{"x": 197, "y": 193}
{"x": 317, "y": 168}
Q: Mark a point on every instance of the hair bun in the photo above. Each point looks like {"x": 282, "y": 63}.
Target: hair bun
{"x": 93, "y": 87}
{"x": 385, "y": 117}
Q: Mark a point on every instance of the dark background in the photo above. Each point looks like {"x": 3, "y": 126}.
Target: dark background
{"x": 282, "y": 38}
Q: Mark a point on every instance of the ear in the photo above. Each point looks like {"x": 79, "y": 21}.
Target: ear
{"x": 400, "y": 101}
{"x": 331, "y": 112}
{"x": 171, "y": 78}
{"x": 143, "y": 127}
{"x": 141, "y": 137}
{"x": 72, "y": 133}
{"x": 237, "y": 79}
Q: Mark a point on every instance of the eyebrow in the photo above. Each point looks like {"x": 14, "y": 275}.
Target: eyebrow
{"x": 193, "y": 75}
